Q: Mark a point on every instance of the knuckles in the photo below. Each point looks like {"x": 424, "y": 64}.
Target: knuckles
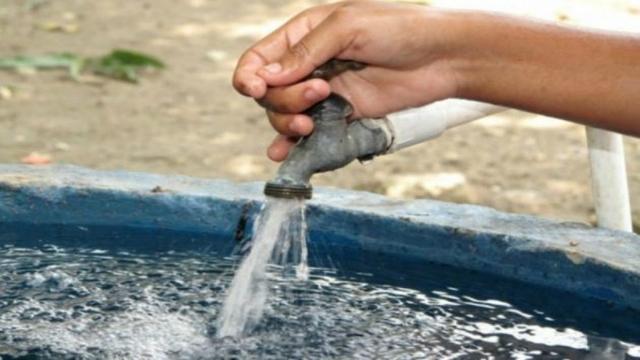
{"x": 346, "y": 12}
{"x": 300, "y": 51}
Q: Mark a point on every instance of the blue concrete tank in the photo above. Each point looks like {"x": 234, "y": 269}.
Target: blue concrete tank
{"x": 592, "y": 262}
{"x": 585, "y": 261}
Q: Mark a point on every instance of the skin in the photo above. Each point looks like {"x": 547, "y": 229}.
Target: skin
{"x": 417, "y": 55}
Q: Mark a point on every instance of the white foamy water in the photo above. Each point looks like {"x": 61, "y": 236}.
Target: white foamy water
{"x": 75, "y": 303}
{"x": 279, "y": 237}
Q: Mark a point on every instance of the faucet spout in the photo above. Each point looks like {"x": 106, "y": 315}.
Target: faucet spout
{"x": 333, "y": 144}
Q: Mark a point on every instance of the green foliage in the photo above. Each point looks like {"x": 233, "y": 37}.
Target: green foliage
{"x": 39, "y": 62}
{"x": 123, "y": 64}
{"x": 119, "y": 64}
{"x": 31, "y": 5}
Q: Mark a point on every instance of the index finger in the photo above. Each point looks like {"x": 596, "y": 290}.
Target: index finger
{"x": 271, "y": 48}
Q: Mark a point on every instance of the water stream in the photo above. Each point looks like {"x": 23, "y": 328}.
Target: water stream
{"x": 279, "y": 238}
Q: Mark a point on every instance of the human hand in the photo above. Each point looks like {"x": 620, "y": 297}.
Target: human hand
{"x": 404, "y": 46}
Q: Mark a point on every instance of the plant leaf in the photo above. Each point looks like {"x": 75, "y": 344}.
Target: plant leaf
{"x": 124, "y": 64}
{"x": 134, "y": 58}
{"x": 62, "y": 60}
{"x": 119, "y": 64}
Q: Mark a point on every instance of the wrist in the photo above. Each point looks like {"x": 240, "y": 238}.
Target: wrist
{"x": 470, "y": 47}
{"x": 452, "y": 47}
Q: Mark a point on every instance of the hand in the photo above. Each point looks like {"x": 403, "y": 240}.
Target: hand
{"x": 403, "y": 46}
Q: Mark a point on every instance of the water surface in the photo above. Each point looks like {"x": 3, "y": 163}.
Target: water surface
{"x": 70, "y": 302}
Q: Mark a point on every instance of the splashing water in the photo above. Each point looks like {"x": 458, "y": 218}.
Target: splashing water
{"x": 148, "y": 303}
{"x": 279, "y": 237}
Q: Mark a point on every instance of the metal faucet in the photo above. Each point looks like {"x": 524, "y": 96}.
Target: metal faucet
{"x": 334, "y": 142}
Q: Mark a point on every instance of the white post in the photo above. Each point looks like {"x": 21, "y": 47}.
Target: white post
{"x": 609, "y": 179}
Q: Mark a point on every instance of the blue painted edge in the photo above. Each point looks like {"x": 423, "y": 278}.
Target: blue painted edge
{"x": 596, "y": 263}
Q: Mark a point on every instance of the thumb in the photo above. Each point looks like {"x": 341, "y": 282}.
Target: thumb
{"x": 321, "y": 44}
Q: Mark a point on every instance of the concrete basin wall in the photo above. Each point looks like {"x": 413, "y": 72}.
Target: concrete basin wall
{"x": 590, "y": 262}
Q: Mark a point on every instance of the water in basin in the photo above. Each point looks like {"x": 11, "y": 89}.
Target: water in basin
{"x": 98, "y": 293}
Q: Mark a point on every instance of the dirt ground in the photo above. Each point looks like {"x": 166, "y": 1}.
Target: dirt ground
{"x": 188, "y": 120}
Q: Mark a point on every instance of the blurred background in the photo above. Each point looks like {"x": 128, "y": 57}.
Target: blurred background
{"x": 186, "y": 119}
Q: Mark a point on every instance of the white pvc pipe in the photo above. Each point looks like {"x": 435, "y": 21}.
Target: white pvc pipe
{"x": 417, "y": 125}
{"x": 609, "y": 179}
{"x": 606, "y": 152}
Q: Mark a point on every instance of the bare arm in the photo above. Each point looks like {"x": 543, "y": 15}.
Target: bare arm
{"x": 585, "y": 76}
{"x": 417, "y": 55}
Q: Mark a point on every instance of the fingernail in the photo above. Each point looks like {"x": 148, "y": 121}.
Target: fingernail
{"x": 273, "y": 68}
{"x": 311, "y": 95}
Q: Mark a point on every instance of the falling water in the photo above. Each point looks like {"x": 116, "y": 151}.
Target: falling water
{"x": 279, "y": 238}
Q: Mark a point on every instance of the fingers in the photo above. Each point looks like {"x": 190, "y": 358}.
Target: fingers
{"x": 271, "y": 48}
{"x": 286, "y": 57}
{"x": 296, "y": 98}
{"x": 279, "y": 149}
{"x": 286, "y": 104}
{"x": 325, "y": 41}
{"x": 291, "y": 128}
{"x": 294, "y": 125}
{"x": 245, "y": 78}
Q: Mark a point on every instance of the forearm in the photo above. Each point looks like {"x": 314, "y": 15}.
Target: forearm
{"x": 585, "y": 76}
